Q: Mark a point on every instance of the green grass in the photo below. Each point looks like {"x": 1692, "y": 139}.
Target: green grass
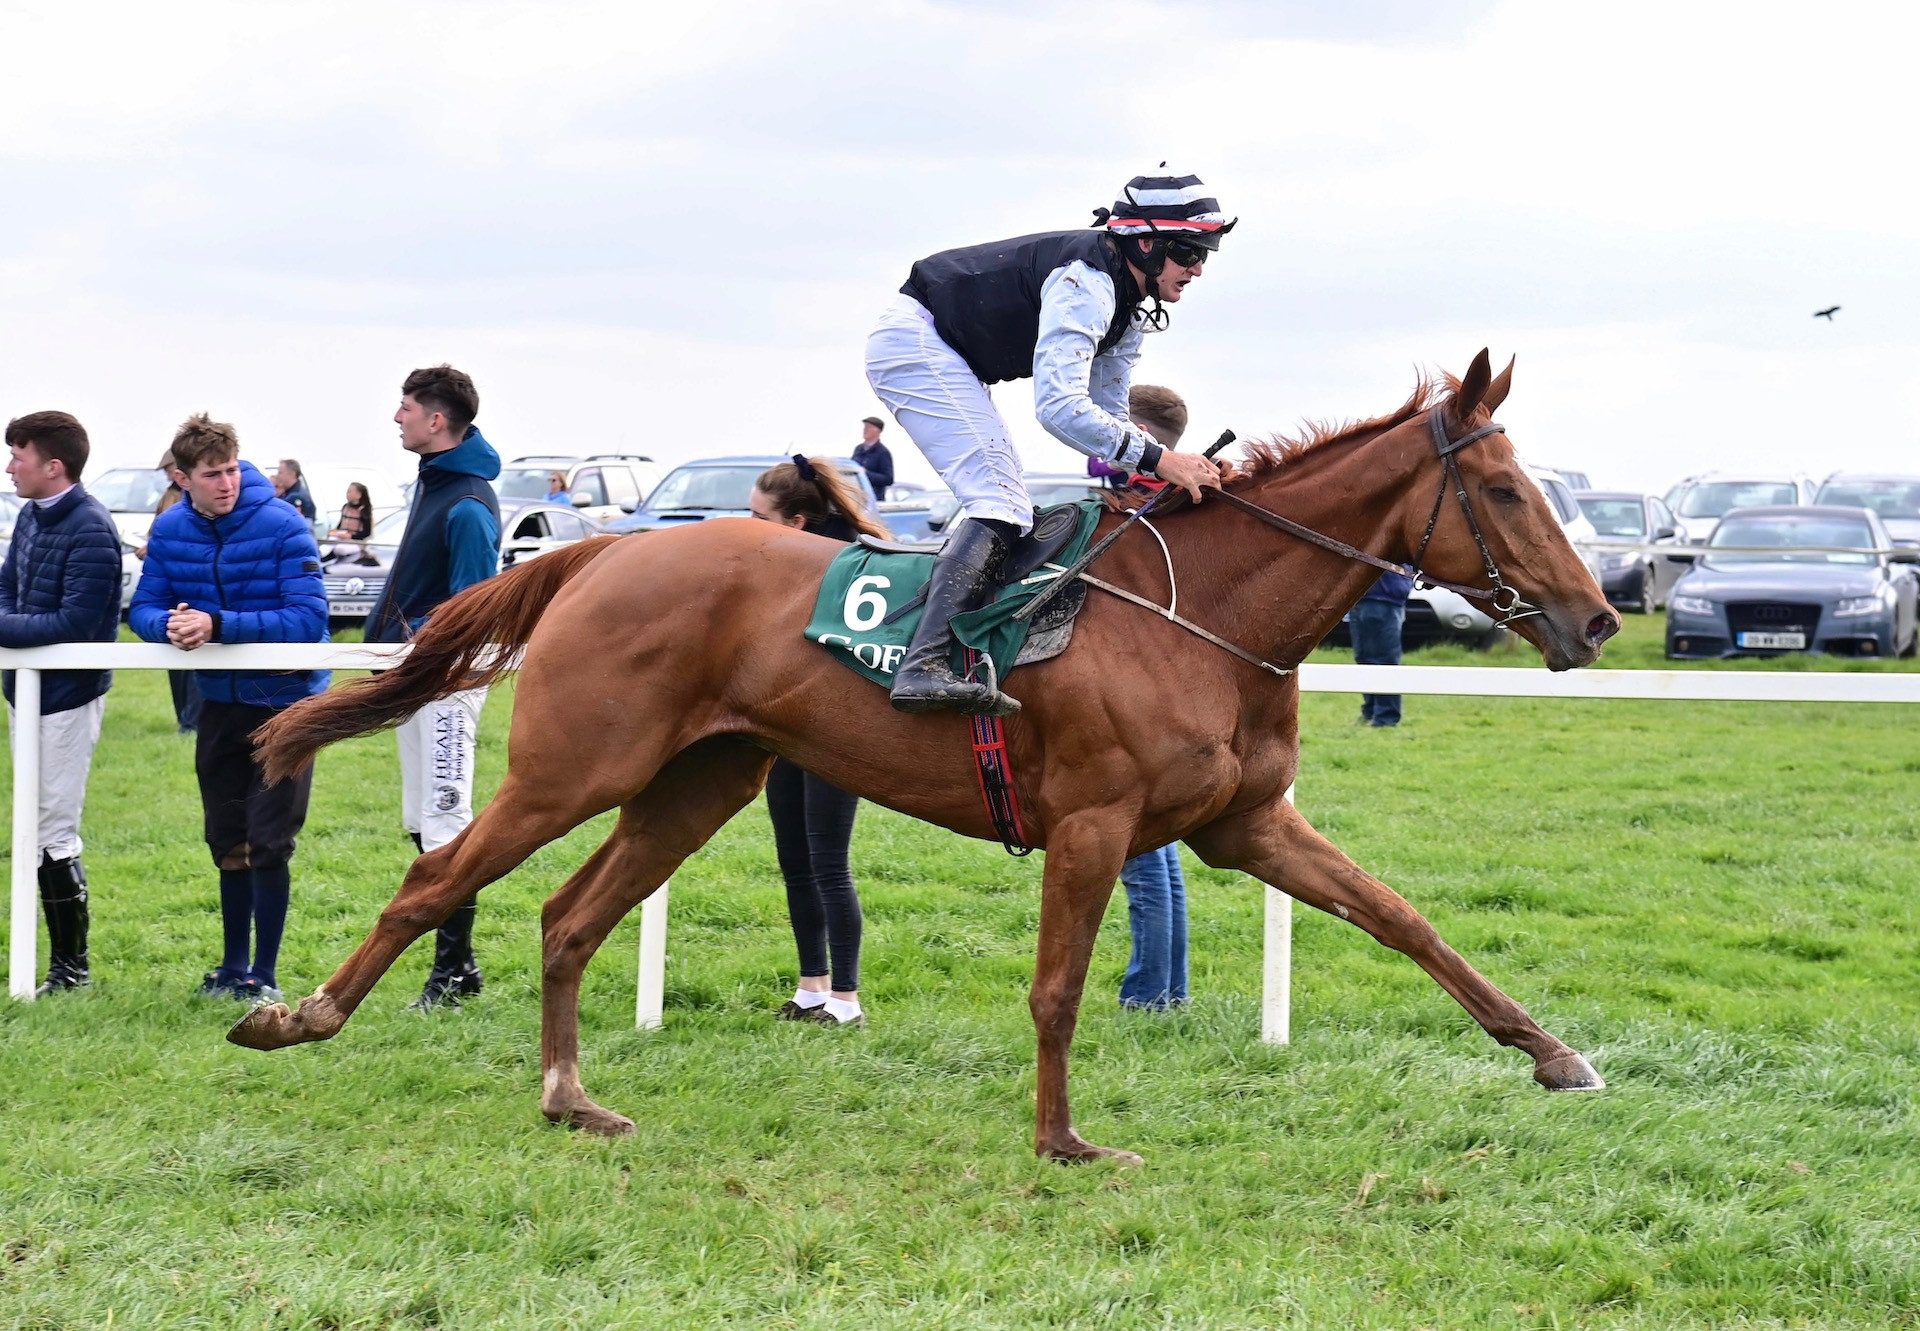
{"x": 1714, "y": 901}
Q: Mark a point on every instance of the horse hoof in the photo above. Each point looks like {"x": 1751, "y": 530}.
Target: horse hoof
{"x": 590, "y": 1117}
{"x": 1078, "y": 1152}
{"x": 1569, "y": 1072}
{"x": 262, "y": 1028}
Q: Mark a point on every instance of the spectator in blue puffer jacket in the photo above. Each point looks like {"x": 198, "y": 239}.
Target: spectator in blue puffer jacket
{"x": 60, "y": 583}
{"x": 233, "y": 564}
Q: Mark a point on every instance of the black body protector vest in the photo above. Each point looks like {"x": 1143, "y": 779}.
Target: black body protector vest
{"x": 985, "y": 299}
{"x": 422, "y": 569}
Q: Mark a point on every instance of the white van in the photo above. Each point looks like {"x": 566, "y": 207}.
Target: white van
{"x": 1579, "y": 527}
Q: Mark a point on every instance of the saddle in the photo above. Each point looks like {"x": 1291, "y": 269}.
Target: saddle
{"x": 872, "y": 595}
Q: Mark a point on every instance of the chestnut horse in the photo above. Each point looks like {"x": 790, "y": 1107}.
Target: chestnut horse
{"x": 662, "y": 673}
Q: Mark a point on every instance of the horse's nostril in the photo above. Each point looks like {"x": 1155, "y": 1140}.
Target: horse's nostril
{"x": 1602, "y": 627}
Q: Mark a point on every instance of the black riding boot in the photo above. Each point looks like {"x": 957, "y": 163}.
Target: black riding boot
{"x": 965, "y": 573}
{"x": 63, "y": 898}
{"x": 455, "y": 975}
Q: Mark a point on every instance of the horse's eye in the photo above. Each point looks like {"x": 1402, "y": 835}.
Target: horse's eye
{"x": 1505, "y": 494}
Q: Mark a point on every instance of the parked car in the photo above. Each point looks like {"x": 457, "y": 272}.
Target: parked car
{"x": 130, "y": 494}
{"x": 1629, "y": 530}
{"x": 718, "y": 488}
{"x": 1793, "y": 579}
{"x": 9, "y": 512}
{"x": 355, "y": 572}
{"x": 327, "y": 484}
{"x": 1435, "y": 615}
{"x": 1045, "y": 491}
{"x": 1701, "y": 501}
{"x": 1895, "y": 498}
{"x": 908, "y": 510}
{"x": 1576, "y": 480}
{"x": 604, "y": 486}
{"x": 1579, "y": 530}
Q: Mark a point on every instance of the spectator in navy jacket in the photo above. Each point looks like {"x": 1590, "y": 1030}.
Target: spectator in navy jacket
{"x": 60, "y": 583}
{"x": 874, "y": 457}
{"x": 452, "y": 541}
{"x": 1375, "y": 624}
{"x": 233, "y": 564}
{"x": 291, "y": 483}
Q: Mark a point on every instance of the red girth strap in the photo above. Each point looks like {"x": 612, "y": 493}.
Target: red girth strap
{"x": 995, "y": 772}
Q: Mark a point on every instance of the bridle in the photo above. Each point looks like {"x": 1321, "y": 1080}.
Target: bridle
{"x": 1499, "y": 596}
{"x": 1505, "y": 602}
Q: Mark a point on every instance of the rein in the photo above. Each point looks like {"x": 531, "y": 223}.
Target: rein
{"x": 1500, "y": 597}
{"x": 1505, "y": 601}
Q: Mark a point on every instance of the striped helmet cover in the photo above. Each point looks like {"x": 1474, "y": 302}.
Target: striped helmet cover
{"x": 1167, "y": 203}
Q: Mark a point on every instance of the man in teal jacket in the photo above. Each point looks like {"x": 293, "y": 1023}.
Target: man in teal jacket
{"x": 233, "y": 564}
{"x": 452, "y": 541}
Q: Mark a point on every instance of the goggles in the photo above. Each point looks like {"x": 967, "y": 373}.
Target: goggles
{"x": 1187, "y": 253}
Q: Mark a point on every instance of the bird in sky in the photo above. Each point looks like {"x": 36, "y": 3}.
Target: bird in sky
{"x": 1827, "y": 313}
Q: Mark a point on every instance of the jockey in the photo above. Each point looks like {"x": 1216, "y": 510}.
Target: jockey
{"x": 1069, "y": 309}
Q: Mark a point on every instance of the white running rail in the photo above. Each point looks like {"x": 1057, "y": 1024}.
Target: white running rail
{"x": 1480, "y": 681}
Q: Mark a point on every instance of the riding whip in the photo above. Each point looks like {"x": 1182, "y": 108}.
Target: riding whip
{"x": 1080, "y": 565}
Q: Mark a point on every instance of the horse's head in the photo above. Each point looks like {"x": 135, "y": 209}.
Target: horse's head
{"x": 1520, "y": 552}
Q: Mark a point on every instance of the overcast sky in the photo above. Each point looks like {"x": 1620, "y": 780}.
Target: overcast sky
{"x": 668, "y": 228}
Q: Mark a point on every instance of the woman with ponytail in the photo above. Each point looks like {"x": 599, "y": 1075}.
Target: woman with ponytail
{"x": 813, "y": 821}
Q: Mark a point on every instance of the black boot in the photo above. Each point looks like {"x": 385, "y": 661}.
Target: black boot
{"x": 63, "y": 898}
{"x": 965, "y": 573}
{"x": 455, "y": 975}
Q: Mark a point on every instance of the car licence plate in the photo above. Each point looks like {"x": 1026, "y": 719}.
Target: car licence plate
{"x": 348, "y": 609}
{"x": 1789, "y": 641}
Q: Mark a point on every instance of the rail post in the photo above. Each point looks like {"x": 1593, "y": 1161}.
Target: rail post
{"x": 22, "y": 932}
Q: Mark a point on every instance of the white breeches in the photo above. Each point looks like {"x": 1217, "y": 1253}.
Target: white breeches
{"x": 948, "y": 414}
{"x": 437, "y": 746}
{"x": 67, "y": 741}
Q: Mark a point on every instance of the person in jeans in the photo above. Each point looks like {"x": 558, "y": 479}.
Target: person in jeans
{"x": 1375, "y": 624}
{"x": 452, "y": 541}
{"x": 1156, "y": 974}
{"x": 232, "y": 563}
{"x": 60, "y": 583}
{"x": 813, "y": 821}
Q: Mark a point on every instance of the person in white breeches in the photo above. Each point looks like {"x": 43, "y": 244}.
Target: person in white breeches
{"x": 436, "y": 767}
{"x": 452, "y": 541}
{"x": 1068, "y": 309}
{"x": 59, "y": 582}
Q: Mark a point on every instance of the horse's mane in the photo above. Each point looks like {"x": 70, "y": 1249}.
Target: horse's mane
{"x": 1269, "y": 455}
{"x": 1265, "y": 456}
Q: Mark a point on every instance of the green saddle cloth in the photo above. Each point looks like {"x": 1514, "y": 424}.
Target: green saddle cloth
{"x": 856, "y": 617}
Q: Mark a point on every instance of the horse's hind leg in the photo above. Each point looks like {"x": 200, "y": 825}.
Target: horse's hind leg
{"x": 517, "y": 822}
{"x": 1279, "y": 847}
{"x": 691, "y": 798}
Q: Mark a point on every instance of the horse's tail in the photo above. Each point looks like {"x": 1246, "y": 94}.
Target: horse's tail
{"x": 453, "y": 652}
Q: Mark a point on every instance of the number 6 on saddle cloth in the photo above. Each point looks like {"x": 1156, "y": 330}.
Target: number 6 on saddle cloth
{"x": 873, "y": 592}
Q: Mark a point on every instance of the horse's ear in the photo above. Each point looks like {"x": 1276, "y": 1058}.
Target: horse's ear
{"x": 1473, "y": 388}
{"x": 1498, "y": 389}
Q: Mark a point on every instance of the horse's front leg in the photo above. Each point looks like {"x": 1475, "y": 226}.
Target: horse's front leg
{"x": 1278, "y": 846}
{"x": 1084, "y": 855}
